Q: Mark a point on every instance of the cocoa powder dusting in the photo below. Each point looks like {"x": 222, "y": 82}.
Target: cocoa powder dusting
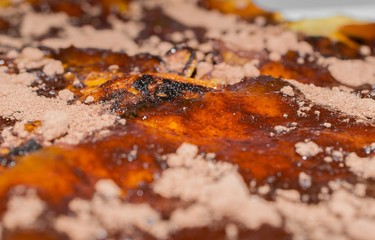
{"x": 342, "y": 101}
{"x": 60, "y": 121}
{"x": 215, "y": 191}
{"x": 188, "y": 47}
{"x": 352, "y": 72}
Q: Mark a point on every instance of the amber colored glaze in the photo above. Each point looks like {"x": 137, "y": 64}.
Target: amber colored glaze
{"x": 163, "y": 111}
{"x": 247, "y": 9}
{"x": 234, "y": 122}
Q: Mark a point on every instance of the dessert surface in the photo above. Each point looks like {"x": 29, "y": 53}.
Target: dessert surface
{"x": 184, "y": 119}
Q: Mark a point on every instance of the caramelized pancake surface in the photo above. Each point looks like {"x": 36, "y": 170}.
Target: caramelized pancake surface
{"x": 243, "y": 111}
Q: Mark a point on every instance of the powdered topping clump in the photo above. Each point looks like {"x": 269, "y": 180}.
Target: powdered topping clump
{"x": 36, "y": 24}
{"x": 216, "y": 186}
{"x": 347, "y": 103}
{"x": 62, "y": 121}
{"x": 228, "y": 75}
{"x": 352, "y": 72}
{"x": 209, "y": 193}
{"x": 215, "y": 190}
{"x": 307, "y": 149}
{"x": 364, "y": 167}
{"x": 287, "y": 90}
{"x": 23, "y": 210}
{"x": 107, "y": 214}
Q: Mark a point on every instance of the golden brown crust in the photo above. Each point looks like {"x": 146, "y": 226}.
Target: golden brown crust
{"x": 168, "y": 120}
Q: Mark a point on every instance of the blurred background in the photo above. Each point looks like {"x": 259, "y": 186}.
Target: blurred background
{"x": 300, "y": 9}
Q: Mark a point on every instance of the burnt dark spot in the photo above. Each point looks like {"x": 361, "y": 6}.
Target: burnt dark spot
{"x": 28, "y": 147}
{"x": 142, "y": 84}
{"x": 171, "y": 89}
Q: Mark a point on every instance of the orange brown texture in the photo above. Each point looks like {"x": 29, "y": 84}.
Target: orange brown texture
{"x": 167, "y": 120}
{"x": 243, "y": 8}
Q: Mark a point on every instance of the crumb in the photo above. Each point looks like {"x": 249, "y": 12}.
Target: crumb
{"x": 263, "y": 190}
{"x": 352, "y": 72}
{"x": 288, "y": 90}
{"x": 66, "y": 95}
{"x": 113, "y": 68}
{"x": 54, "y": 124}
{"x": 307, "y": 149}
{"x": 228, "y": 75}
{"x": 89, "y": 99}
{"x": 347, "y": 103}
{"x": 52, "y": 68}
{"x": 32, "y": 54}
{"x": 274, "y": 56}
{"x": 23, "y": 211}
{"x": 231, "y": 232}
{"x": 328, "y": 159}
{"x": 365, "y": 50}
{"x": 122, "y": 121}
{"x": 364, "y": 167}
{"x": 304, "y": 180}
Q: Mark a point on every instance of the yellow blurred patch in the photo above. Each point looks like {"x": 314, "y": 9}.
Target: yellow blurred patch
{"x": 242, "y": 8}
{"x": 337, "y": 28}
{"x": 5, "y": 3}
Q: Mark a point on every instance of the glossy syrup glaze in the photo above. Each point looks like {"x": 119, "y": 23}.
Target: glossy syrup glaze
{"x": 162, "y": 111}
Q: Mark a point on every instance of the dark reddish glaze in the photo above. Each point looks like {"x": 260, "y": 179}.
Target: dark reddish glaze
{"x": 329, "y": 48}
{"x": 159, "y": 24}
{"x": 234, "y": 122}
{"x": 307, "y": 72}
{"x": 32, "y": 235}
{"x": 78, "y": 10}
{"x": 4, "y": 25}
{"x": 87, "y": 60}
{"x": 265, "y": 232}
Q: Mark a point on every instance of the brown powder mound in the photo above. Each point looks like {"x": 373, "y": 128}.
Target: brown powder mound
{"x": 106, "y": 213}
{"x": 279, "y": 129}
{"x": 345, "y": 102}
{"x": 21, "y": 79}
{"x": 182, "y": 218}
{"x": 120, "y": 37}
{"x": 23, "y": 210}
{"x": 216, "y": 186}
{"x": 352, "y": 72}
{"x": 226, "y": 74}
{"x": 54, "y": 124}
{"x": 11, "y": 41}
{"x": 287, "y": 90}
{"x": 67, "y": 123}
{"x": 238, "y": 34}
{"x": 364, "y": 167}
{"x": 66, "y": 95}
{"x": 53, "y": 67}
{"x": 307, "y": 149}
{"x": 344, "y": 215}
{"x": 33, "y": 58}
{"x": 193, "y": 16}
{"x": 217, "y": 191}
{"x": 37, "y": 24}
{"x": 34, "y": 25}
{"x": 284, "y": 41}
{"x": 88, "y": 37}
{"x": 32, "y": 54}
